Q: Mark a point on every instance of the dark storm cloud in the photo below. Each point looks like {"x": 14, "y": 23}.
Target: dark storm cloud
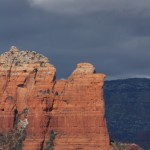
{"x": 113, "y": 35}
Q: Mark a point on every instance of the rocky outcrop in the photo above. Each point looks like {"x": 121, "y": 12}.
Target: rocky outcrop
{"x": 132, "y": 147}
{"x": 78, "y": 111}
{"x": 125, "y": 146}
{"x": 73, "y": 108}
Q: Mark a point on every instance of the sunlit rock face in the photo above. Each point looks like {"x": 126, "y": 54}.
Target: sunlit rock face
{"x": 78, "y": 111}
{"x": 26, "y": 80}
{"x": 73, "y": 108}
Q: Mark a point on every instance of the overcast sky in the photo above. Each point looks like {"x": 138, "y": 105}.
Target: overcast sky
{"x": 113, "y": 35}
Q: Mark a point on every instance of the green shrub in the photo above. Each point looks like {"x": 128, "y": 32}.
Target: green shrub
{"x": 50, "y": 143}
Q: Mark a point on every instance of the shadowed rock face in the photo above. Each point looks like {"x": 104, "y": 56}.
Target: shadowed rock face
{"x": 73, "y": 108}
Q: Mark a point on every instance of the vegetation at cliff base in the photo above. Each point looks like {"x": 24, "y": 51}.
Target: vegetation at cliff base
{"x": 14, "y": 139}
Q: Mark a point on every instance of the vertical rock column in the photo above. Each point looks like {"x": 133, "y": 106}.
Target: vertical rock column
{"x": 78, "y": 116}
{"x": 27, "y": 81}
{"x": 39, "y": 99}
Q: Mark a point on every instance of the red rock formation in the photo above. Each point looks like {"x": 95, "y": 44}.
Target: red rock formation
{"x": 26, "y": 85}
{"x": 78, "y": 112}
{"x": 73, "y": 108}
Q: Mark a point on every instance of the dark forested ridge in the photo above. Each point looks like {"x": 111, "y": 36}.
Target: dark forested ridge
{"x": 128, "y": 110}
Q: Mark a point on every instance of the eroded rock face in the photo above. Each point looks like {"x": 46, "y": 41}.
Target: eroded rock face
{"x": 26, "y": 85}
{"x": 78, "y": 112}
{"x": 73, "y": 108}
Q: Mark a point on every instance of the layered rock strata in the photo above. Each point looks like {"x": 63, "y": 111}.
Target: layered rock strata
{"x": 72, "y": 108}
{"x": 78, "y": 112}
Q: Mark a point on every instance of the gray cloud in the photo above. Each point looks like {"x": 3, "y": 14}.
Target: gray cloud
{"x": 126, "y": 7}
{"x": 108, "y": 35}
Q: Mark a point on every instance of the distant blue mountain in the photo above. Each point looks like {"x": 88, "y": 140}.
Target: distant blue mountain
{"x": 128, "y": 110}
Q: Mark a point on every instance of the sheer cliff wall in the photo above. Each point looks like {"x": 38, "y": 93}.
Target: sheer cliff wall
{"x": 73, "y": 108}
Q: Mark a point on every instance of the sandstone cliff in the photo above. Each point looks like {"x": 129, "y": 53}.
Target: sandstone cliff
{"x": 73, "y": 109}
